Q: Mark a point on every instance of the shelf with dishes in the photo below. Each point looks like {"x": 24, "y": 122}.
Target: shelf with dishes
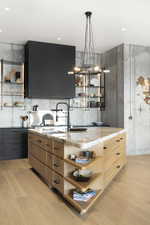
{"x": 80, "y": 165}
{"x": 85, "y": 177}
{"x": 14, "y": 105}
{"x": 11, "y": 83}
{"x": 89, "y": 87}
{"x": 82, "y": 206}
{"x": 83, "y": 183}
{"x": 12, "y": 73}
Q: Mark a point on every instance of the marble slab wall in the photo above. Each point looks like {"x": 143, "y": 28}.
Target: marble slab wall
{"x": 10, "y": 117}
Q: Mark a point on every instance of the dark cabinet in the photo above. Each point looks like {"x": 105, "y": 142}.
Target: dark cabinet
{"x": 46, "y": 67}
{"x": 13, "y": 143}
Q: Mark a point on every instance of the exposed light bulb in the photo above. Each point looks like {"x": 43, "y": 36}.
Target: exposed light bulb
{"x": 76, "y": 69}
{"x": 106, "y": 71}
{"x": 70, "y": 73}
{"x": 96, "y": 68}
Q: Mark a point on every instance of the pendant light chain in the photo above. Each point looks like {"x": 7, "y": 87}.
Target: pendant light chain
{"x": 88, "y": 61}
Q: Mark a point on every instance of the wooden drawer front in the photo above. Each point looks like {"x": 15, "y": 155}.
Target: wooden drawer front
{"x": 48, "y": 176}
{"x": 114, "y": 169}
{"x": 58, "y": 182}
{"x": 114, "y": 142}
{"x": 43, "y": 170}
{"x": 37, "y": 152}
{"x": 48, "y": 145}
{"x": 31, "y": 136}
{"x": 58, "y": 165}
{"x": 39, "y": 167}
{"x": 58, "y": 148}
{"x": 43, "y": 142}
{"x": 113, "y": 156}
{"x": 48, "y": 159}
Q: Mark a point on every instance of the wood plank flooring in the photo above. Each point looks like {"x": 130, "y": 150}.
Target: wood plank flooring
{"x": 26, "y": 200}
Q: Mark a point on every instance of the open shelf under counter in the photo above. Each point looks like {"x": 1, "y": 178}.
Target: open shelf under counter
{"x": 83, "y": 166}
{"x": 82, "y": 206}
{"x": 83, "y": 186}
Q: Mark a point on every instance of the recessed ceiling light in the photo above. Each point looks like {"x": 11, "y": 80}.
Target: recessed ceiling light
{"x": 123, "y": 29}
{"x": 59, "y": 39}
{"x": 7, "y": 9}
{"x": 1, "y": 31}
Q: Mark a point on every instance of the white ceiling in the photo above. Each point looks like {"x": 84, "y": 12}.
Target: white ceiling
{"x": 49, "y": 19}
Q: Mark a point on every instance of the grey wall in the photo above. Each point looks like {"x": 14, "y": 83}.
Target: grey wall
{"x": 136, "y": 64}
{"x": 114, "y": 112}
{"x": 125, "y": 98}
{"x": 11, "y": 116}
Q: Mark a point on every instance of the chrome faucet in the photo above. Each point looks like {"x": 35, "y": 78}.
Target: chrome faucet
{"x": 68, "y": 113}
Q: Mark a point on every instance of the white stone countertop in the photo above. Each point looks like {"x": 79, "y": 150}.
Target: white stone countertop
{"x": 82, "y": 139}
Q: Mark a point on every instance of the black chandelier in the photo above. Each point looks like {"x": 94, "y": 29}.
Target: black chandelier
{"x": 88, "y": 61}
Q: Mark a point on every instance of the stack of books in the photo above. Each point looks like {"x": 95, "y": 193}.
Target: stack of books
{"x": 82, "y": 160}
{"x": 83, "y": 196}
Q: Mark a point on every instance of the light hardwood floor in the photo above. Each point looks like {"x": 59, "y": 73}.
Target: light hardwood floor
{"x": 26, "y": 200}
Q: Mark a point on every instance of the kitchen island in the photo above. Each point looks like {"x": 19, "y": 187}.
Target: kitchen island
{"x": 50, "y": 155}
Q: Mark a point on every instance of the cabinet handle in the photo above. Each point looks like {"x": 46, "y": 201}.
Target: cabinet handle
{"x": 118, "y": 166}
{"x": 117, "y": 140}
{"x": 56, "y": 181}
{"x": 121, "y": 138}
{"x": 56, "y": 165}
{"x": 118, "y": 153}
{"x": 105, "y": 147}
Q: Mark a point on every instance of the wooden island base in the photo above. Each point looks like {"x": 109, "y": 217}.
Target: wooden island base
{"x": 49, "y": 156}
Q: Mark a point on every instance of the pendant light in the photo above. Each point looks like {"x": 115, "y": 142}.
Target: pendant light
{"x": 88, "y": 61}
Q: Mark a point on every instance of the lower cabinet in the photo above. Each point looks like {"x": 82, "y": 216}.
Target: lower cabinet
{"x": 13, "y": 143}
{"x": 52, "y": 163}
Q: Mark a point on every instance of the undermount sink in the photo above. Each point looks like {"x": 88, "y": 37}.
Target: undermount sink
{"x": 51, "y": 130}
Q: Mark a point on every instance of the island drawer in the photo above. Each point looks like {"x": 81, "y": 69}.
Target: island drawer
{"x": 58, "y": 148}
{"x": 43, "y": 170}
{"x": 58, "y": 165}
{"x": 108, "y": 162}
{"x": 58, "y": 182}
{"x": 113, "y": 170}
{"x": 37, "y": 152}
{"x": 114, "y": 142}
{"x": 43, "y": 142}
{"x": 38, "y": 166}
{"x": 48, "y": 176}
{"x": 48, "y": 159}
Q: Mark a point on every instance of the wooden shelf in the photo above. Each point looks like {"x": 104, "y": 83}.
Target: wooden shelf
{"x": 88, "y": 86}
{"x": 12, "y": 62}
{"x": 88, "y": 97}
{"x": 82, "y": 207}
{"x": 82, "y": 166}
{"x": 11, "y": 83}
{"x": 83, "y": 186}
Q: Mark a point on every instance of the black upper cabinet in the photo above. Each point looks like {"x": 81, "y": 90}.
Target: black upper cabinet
{"x": 46, "y": 67}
